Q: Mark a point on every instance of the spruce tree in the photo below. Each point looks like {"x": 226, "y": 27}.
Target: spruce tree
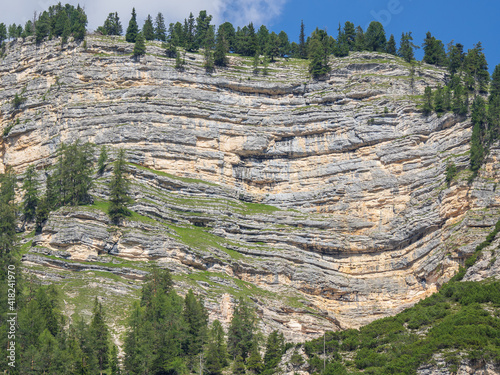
{"x": 495, "y": 84}
{"x": 433, "y": 50}
{"x": 428, "y": 102}
{"x": 118, "y": 194}
{"x": 263, "y": 38}
{"x": 341, "y": 45}
{"x": 148, "y": 29}
{"x": 100, "y": 336}
{"x": 113, "y": 362}
{"x": 132, "y": 29}
{"x": 318, "y": 63}
{"x": 359, "y": 41}
{"x": 241, "y": 331}
{"x": 101, "y": 162}
{"x": 254, "y": 361}
{"x": 273, "y": 46}
{"x": 221, "y": 49}
{"x": 439, "y": 105}
{"x": 406, "y": 47}
{"x": 30, "y": 199}
{"x": 284, "y": 44}
{"x": 391, "y": 46}
{"x": 160, "y": 29}
{"x": 79, "y": 24}
{"x": 208, "y": 50}
{"x": 8, "y": 214}
{"x": 196, "y": 318}
{"x": 350, "y": 35}
{"x": 239, "y": 366}
{"x": 139, "y": 46}
{"x": 3, "y": 33}
{"x": 190, "y": 34}
{"x": 202, "y": 28}
{"x": 112, "y": 25}
{"x": 478, "y": 138}
{"x": 42, "y": 27}
{"x": 375, "y": 39}
{"x": 302, "y": 41}
{"x": 274, "y": 350}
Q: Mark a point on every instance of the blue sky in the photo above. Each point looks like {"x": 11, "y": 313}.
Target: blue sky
{"x": 464, "y": 21}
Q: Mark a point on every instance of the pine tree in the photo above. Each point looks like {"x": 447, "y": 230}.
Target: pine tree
{"x": 30, "y": 199}
{"x": 459, "y": 105}
{"x": 239, "y": 366}
{"x": 359, "y": 41}
{"x": 318, "y": 63}
{"x": 342, "y": 44}
{"x": 406, "y": 47}
{"x": 196, "y": 318}
{"x": 284, "y": 44}
{"x": 139, "y": 46}
{"x": 455, "y": 58}
{"x": 79, "y": 24}
{"x": 428, "y": 102}
{"x": 221, "y": 49}
{"x": 132, "y": 29}
{"x": 273, "y": 46}
{"x": 100, "y": 336}
{"x": 433, "y": 50}
{"x": 254, "y": 361}
{"x": 180, "y": 62}
{"x": 263, "y": 38}
{"x": 478, "y": 138}
{"x": 274, "y": 350}
{"x": 112, "y": 25}
{"x": 202, "y": 28}
{"x": 8, "y": 235}
{"x": 42, "y": 27}
{"x": 190, "y": 34}
{"x": 375, "y": 37}
{"x": 439, "y": 100}
{"x": 350, "y": 35}
{"x": 302, "y": 41}
{"x": 241, "y": 331}
{"x": 256, "y": 62}
{"x": 160, "y": 29}
{"x": 101, "y": 162}
{"x": 495, "y": 84}
{"x": 118, "y": 195}
{"x": 391, "y": 46}
{"x": 113, "y": 363}
{"x": 208, "y": 50}
{"x": 148, "y": 29}
{"x": 3, "y": 33}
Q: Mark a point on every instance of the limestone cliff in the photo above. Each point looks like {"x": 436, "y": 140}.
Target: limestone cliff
{"x": 325, "y": 202}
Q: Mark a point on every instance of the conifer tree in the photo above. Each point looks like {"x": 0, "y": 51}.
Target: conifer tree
{"x": 8, "y": 235}
{"x": 112, "y": 25}
{"x": 160, "y": 29}
{"x": 391, "y": 46}
{"x": 302, "y": 42}
{"x": 274, "y": 350}
{"x": 79, "y": 24}
{"x": 202, "y": 28}
{"x": 118, "y": 195}
{"x": 439, "y": 100}
{"x": 350, "y": 35}
{"x": 132, "y": 29}
{"x": 221, "y": 48}
{"x": 3, "y": 33}
{"x": 263, "y": 38}
{"x": 180, "y": 62}
{"x": 113, "y": 363}
{"x": 239, "y": 366}
{"x": 208, "y": 50}
{"x": 375, "y": 39}
{"x": 455, "y": 58}
{"x": 273, "y": 46}
{"x": 196, "y": 318}
{"x": 139, "y": 46}
{"x": 241, "y": 331}
{"x": 148, "y": 29}
{"x": 359, "y": 41}
{"x": 190, "y": 34}
{"x": 42, "y": 27}
{"x": 459, "y": 102}
{"x": 477, "y": 149}
{"x": 30, "y": 199}
{"x": 495, "y": 84}
{"x": 433, "y": 50}
{"x": 406, "y": 47}
{"x": 428, "y": 102}
{"x": 101, "y": 162}
{"x": 318, "y": 63}
{"x": 100, "y": 336}
{"x": 342, "y": 44}
{"x": 254, "y": 361}
{"x": 284, "y": 44}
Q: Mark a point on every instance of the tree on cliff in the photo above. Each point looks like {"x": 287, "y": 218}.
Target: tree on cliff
{"x": 241, "y": 331}
{"x": 30, "y": 199}
{"x": 100, "y": 336}
{"x": 148, "y": 29}
{"x": 132, "y": 29}
{"x": 375, "y": 37}
{"x": 112, "y": 25}
{"x": 160, "y": 29}
{"x": 406, "y": 47}
{"x": 140, "y": 46}
{"x": 391, "y": 45}
{"x": 118, "y": 195}
{"x": 318, "y": 59}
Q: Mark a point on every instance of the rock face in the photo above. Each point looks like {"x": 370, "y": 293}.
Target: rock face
{"x": 327, "y": 198}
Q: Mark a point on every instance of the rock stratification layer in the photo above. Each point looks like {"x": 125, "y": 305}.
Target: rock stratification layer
{"x": 326, "y": 202}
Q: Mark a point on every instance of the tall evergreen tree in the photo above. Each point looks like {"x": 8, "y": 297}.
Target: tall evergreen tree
{"x": 42, "y": 27}
{"x": 455, "y": 58}
{"x": 241, "y": 331}
{"x": 391, "y": 46}
{"x": 406, "y": 47}
{"x": 8, "y": 214}
{"x": 3, "y": 33}
{"x": 100, "y": 336}
{"x": 221, "y": 49}
{"x": 273, "y": 46}
{"x": 229, "y": 34}
{"x": 284, "y": 44}
{"x": 112, "y": 25}
{"x": 350, "y": 34}
{"x": 30, "y": 199}
{"x": 113, "y": 362}
{"x": 190, "y": 34}
{"x": 202, "y": 28}
{"x": 148, "y": 29}
{"x": 477, "y": 149}
{"x": 433, "y": 50}
{"x": 318, "y": 59}
{"x": 254, "y": 360}
{"x": 102, "y": 160}
{"x": 139, "y": 46}
{"x": 132, "y": 29}
{"x": 118, "y": 195}
{"x": 359, "y": 41}
{"x": 263, "y": 38}
{"x": 342, "y": 44}
{"x": 428, "y": 102}
{"x": 196, "y": 318}
{"x": 79, "y": 23}
{"x": 375, "y": 39}
{"x": 274, "y": 350}
{"x": 160, "y": 29}
{"x": 302, "y": 41}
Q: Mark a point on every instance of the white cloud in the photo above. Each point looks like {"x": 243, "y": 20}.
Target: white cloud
{"x": 239, "y": 12}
